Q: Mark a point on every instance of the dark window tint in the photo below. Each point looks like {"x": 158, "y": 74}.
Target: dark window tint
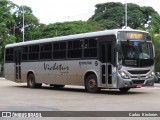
{"x": 59, "y": 50}
{"x": 90, "y": 48}
{"x": 46, "y": 51}
{"x": 25, "y": 49}
{"x": 56, "y": 46}
{"x": 46, "y": 47}
{"x": 70, "y": 45}
{"x": 75, "y": 49}
{"x": 34, "y": 48}
{"x": 9, "y": 55}
{"x": 62, "y": 46}
{"x": 77, "y": 44}
{"x": 34, "y": 52}
{"x": 25, "y": 53}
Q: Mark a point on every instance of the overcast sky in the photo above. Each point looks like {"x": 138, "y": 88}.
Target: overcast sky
{"x": 51, "y": 11}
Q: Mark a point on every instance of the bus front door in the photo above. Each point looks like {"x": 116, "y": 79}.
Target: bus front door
{"x": 106, "y": 67}
{"x": 18, "y": 55}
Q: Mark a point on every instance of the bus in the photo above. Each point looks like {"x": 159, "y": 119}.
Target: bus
{"x": 110, "y": 59}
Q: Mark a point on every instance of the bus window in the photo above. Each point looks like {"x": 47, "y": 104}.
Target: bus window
{"x": 34, "y": 52}
{"x": 25, "y": 53}
{"x": 9, "y": 55}
{"x": 90, "y": 48}
{"x": 46, "y": 51}
{"x": 75, "y": 49}
{"x": 59, "y": 50}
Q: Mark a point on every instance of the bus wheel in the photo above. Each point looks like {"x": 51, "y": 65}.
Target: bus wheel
{"x": 124, "y": 89}
{"x": 91, "y": 84}
{"x": 31, "y": 83}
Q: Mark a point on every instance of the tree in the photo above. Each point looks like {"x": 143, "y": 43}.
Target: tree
{"x": 62, "y": 29}
{"x": 30, "y": 22}
{"x": 11, "y": 23}
{"x": 6, "y": 22}
{"x": 113, "y": 15}
{"x": 155, "y": 38}
{"x": 109, "y": 13}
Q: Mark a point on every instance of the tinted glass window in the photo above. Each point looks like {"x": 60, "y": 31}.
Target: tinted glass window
{"x": 25, "y": 53}
{"x": 46, "y": 47}
{"x": 9, "y": 55}
{"x": 46, "y": 51}
{"x": 90, "y": 48}
{"x": 75, "y": 49}
{"x": 34, "y": 48}
{"x": 59, "y": 50}
{"x": 34, "y": 52}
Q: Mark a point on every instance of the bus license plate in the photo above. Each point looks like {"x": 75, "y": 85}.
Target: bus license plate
{"x": 139, "y": 86}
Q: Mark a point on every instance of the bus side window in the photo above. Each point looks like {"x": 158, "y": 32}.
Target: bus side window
{"x": 46, "y": 51}
{"x": 75, "y": 49}
{"x": 9, "y": 55}
{"x": 90, "y": 47}
{"x": 25, "y": 53}
{"x": 34, "y": 52}
{"x": 59, "y": 50}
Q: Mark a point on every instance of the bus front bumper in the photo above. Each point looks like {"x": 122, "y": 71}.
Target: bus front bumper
{"x": 135, "y": 83}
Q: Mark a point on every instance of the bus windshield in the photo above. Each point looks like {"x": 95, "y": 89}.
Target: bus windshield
{"x": 136, "y": 53}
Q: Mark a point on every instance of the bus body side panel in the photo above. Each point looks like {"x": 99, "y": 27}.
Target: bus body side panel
{"x": 37, "y": 68}
{"x": 80, "y": 69}
{"x": 9, "y": 69}
{"x": 60, "y": 72}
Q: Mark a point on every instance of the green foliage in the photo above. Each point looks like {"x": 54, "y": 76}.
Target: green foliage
{"x": 30, "y": 22}
{"x": 156, "y": 39}
{"x": 6, "y": 23}
{"x": 112, "y": 15}
{"x": 109, "y": 13}
{"x": 62, "y": 29}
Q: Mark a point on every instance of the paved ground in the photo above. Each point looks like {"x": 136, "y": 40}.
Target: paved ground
{"x": 17, "y": 97}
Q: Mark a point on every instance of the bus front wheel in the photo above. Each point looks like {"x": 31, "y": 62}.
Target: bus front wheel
{"x": 31, "y": 83}
{"x": 91, "y": 84}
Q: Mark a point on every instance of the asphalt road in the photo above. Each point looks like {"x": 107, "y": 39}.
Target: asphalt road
{"x": 17, "y": 97}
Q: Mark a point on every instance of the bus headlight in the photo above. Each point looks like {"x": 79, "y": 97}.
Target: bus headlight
{"x": 123, "y": 74}
{"x": 152, "y": 74}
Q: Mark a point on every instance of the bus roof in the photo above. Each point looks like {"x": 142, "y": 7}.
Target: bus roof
{"x": 71, "y": 37}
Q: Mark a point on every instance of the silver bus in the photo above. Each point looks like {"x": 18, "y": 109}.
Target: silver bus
{"x": 111, "y": 59}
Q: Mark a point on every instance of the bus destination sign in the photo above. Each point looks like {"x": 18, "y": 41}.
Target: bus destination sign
{"x": 130, "y": 35}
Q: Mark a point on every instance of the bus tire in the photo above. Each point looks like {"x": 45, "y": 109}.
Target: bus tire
{"x": 31, "y": 83}
{"x": 91, "y": 84}
{"x": 124, "y": 90}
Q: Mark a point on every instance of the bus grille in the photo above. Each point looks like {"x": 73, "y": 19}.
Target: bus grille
{"x": 138, "y": 81}
{"x": 138, "y": 72}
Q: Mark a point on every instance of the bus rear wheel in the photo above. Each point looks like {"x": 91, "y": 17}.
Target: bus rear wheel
{"x": 31, "y": 83}
{"x": 91, "y": 84}
{"x": 123, "y": 90}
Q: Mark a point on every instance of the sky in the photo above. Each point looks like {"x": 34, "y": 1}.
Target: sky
{"x": 52, "y": 11}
